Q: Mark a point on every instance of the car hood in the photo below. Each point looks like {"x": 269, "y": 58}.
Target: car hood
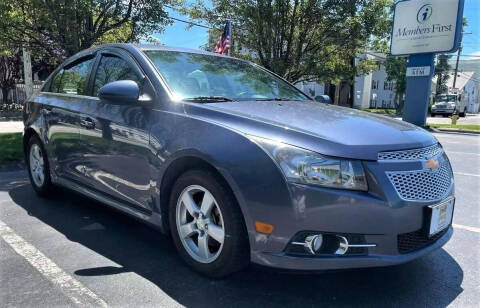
{"x": 327, "y": 129}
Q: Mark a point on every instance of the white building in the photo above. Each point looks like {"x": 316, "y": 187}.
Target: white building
{"x": 373, "y": 90}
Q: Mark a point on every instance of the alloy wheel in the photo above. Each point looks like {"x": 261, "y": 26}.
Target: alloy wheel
{"x": 37, "y": 163}
{"x": 200, "y": 224}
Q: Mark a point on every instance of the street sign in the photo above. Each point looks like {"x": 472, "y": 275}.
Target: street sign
{"x": 426, "y": 26}
{"x": 418, "y": 71}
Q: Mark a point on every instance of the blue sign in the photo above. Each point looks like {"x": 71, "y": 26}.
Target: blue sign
{"x": 422, "y": 28}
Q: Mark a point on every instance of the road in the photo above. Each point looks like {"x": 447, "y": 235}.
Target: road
{"x": 71, "y": 251}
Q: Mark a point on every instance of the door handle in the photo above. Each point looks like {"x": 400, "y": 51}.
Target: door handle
{"x": 87, "y": 122}
{"x": 46, "y": 111}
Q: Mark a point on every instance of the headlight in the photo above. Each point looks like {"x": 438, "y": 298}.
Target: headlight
{"x": 307, "y": 167}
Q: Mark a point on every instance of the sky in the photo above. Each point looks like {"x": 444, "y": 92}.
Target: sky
{"x": 177, "y": 35}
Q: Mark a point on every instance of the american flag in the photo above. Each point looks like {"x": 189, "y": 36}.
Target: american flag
{"x": 223, "y": 44}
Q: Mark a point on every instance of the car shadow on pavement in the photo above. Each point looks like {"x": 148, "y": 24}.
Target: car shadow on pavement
{"x": 434, "y": 280}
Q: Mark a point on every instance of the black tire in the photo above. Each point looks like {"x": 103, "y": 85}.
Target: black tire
{"x": 235, "y": 254}
{"x": 47, "y": 187}
{"x": 463, "y": 114}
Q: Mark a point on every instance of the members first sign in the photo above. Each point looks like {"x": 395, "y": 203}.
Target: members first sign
{"x": 421, "y": 26}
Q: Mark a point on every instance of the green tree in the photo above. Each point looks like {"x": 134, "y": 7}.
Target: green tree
{"x": 441, "y": 71}
{"x": 300, "y": 40}
{"x": 61, "y": 28}
{"x": 396, "y": 68}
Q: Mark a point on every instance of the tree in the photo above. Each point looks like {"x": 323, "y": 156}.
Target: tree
{"x": 396, "y": 68}
{"x": 61, "y": 28}
{"x": 10, "y": 64}
{"x": 300, "y": 40}
{"x": 441, "y": 71}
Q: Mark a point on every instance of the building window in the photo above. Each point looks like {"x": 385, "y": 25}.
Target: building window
{"x": 374, "y": 84}
{"x": 388, "y": 85}
{"x": 373, "y": 103}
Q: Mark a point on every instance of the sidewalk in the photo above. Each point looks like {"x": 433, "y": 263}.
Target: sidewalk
{"x": 11, "y": 127}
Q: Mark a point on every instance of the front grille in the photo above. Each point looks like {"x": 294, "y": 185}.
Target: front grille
{"x": 408, "y": 242}
{"x": 415, "y": 154}
{"x": 422, "y": 185}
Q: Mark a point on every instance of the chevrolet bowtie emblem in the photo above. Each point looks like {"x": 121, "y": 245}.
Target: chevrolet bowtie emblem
{"x": 432, "y": 164}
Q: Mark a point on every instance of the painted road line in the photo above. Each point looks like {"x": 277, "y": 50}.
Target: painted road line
{"x": 448, "y": 152}
{"x": 466, "y": 174}
{"x": 72, "y": 288}
{"x": 473, "y": 229}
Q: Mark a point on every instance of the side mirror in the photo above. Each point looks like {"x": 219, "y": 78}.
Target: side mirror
{"x": 323, "y": 99}
{"x": 121, "y": 92}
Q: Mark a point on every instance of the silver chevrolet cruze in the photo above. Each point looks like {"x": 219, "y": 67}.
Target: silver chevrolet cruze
{"x": 237, "y": 164}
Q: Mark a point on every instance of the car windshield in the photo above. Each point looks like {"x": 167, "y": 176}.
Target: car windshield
{"x": 445, "y": 98}
{"x": 200, "y": 77}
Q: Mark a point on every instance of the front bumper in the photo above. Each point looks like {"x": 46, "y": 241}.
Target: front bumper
{"x": 443, "y": 110}
{"x": 379, "y": 217}
{"x": 373, "y": 259}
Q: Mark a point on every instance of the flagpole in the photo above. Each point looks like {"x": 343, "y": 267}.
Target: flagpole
{"x": 231, "y": 37}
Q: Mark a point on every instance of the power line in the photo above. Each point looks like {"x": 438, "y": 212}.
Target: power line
{"x": 189, "y": 22}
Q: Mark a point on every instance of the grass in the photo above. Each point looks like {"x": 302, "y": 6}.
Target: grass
{"x": 386, "y": 111}
{"x": 458, "y": 126}
{"x": 11, "y": 148}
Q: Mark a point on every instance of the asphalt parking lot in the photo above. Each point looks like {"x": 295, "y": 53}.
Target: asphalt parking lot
{"x": 71, "y": 251}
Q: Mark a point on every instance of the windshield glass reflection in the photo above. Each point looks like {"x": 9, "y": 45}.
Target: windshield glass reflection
{"x": 191, "y": 75}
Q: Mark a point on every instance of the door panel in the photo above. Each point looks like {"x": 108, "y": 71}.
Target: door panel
{"x": 62, "y": 105}
{"x": 115, "y": 144}
{"x": 115, "y": 140}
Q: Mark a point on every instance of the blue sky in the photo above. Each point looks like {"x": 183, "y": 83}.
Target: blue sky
{"x": 177, "y": 34}
{"x": 471, "y": 42}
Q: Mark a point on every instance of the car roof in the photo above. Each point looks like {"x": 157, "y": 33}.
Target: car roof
{"x": 145, "y": 47}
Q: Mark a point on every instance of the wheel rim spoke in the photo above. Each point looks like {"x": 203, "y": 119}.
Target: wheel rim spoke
{"x": 203, "y": 246}
{"x": 207, "y": 204}
{"x": 216, "y": 232}
{"x": 187, "y": 230}
{"x": 190, "y": 205}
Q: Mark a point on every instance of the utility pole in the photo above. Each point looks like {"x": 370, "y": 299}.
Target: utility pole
{"x": 458, "y": 58}
{"x": 27, "y": 72}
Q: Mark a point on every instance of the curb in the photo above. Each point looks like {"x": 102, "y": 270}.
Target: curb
{"x": 454, "y": 130}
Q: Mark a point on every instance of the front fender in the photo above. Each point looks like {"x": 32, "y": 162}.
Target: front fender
{"x": 255, "y": 180}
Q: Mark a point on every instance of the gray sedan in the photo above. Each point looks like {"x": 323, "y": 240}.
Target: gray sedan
{"x": 237, "y": 164}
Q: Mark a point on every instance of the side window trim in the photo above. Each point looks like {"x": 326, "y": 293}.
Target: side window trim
{"x": 61, "y": 70}
{"x": 93, "y": 74}
{"x": 115, "y": 53}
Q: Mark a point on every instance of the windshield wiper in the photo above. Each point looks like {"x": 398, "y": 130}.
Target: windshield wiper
{"x": 275, "y": 99}
{"x": 208, "y": 99}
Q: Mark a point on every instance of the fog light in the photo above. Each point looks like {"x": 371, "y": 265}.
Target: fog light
{"x": 342, "y": 245}
{"x": 313, "y": 243}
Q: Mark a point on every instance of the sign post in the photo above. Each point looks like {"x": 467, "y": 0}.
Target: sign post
{"x": 422, "y": 28}
{"x": 418, "y": 91}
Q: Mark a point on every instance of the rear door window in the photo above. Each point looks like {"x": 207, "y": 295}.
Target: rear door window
{"x": 113, "y": 68}
{"x": 73, "y": 78}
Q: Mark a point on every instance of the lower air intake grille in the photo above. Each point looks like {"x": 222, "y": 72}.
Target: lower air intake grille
{"x": 408, "y": 242}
